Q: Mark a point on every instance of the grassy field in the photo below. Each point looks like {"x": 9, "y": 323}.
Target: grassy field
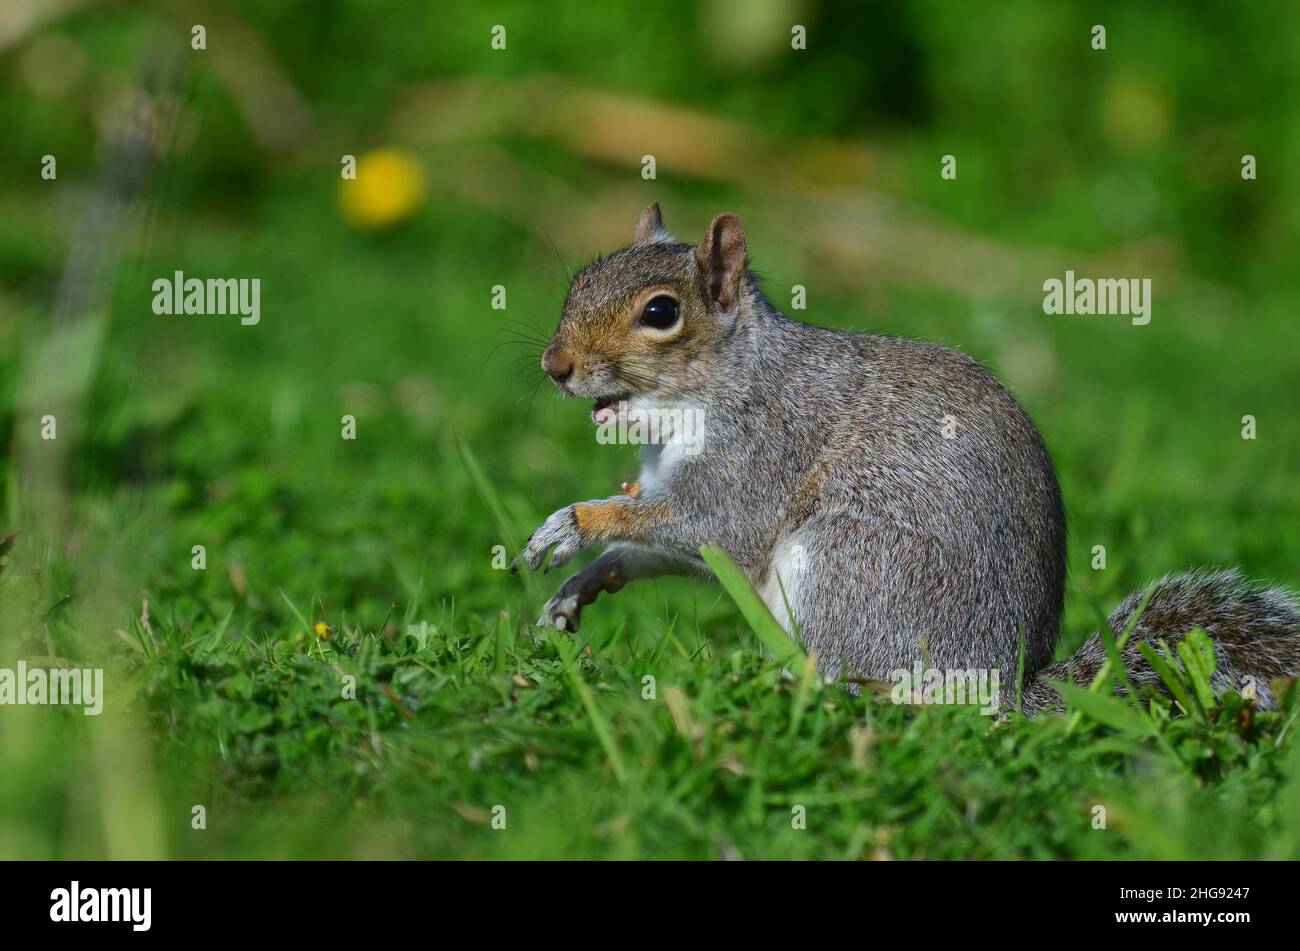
{"x": 353, "y": 675}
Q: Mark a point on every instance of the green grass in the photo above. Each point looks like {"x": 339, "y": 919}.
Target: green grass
{"x": 232, "y": 702}
{"x": 663, "y": 728}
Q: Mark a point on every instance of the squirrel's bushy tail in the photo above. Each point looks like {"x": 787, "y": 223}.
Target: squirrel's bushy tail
{"x": 1255, "y": 629}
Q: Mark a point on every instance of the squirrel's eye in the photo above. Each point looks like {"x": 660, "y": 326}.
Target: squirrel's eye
{"x": 660, "y": 313}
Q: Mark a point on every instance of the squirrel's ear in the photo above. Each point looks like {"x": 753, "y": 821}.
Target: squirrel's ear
{"x": 650, "y": 226}
{"x": 722, "y": 256}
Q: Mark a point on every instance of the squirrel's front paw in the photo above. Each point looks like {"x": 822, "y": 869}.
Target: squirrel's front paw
{"x": 560, "y": 532}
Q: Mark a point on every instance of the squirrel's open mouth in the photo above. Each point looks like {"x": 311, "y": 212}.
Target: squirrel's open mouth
{"x": 605, "y": 410}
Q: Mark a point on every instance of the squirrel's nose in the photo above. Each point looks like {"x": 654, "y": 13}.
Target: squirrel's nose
{"x": 558, "y": 364}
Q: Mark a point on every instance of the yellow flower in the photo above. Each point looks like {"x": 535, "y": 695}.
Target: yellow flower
{"x": 323, "y": 630}
{"x": 389, "y": 188}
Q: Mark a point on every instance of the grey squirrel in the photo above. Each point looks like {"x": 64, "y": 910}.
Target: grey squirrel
{"x": 889, "y": 494}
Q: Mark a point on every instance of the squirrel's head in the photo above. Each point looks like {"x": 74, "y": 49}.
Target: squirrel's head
{"x": 649, "y": 321}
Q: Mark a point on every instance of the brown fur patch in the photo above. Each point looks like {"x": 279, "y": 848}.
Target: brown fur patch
{"x": 616, "y": 519}
{"x": 808, "y": 493}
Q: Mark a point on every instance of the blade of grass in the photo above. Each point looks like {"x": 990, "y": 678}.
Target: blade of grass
{"x": 505, "y": 526}
{"x": 1104, "y": 671}
{"x": 768, "y": 630}
{"x": 1105, "y": 709}
{"x": 1197, "y": 653}
{"x": 599, "y": 722}
{"x": 1171, "y": 677}
{"x": 296, "y": 613}
{"x": 806, "y": 681}
{"x": 1020, "y": 667}
{"x": 214, "y": 640}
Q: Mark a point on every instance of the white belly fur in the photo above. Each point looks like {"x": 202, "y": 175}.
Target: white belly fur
{"x": 676, "y": 440}
{"x": 788, "y": 562}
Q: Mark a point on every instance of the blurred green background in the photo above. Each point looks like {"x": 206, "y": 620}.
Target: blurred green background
{"x": 481, "y": 167}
